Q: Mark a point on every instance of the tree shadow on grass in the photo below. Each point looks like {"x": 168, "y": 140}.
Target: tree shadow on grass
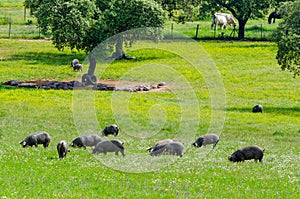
{"x": 61, "y": 58}
{"x": 277, "y": 110}
{"x": 258, "y": 28}
{"x": 2, "y": 87}
{"x": 47, "y": 58}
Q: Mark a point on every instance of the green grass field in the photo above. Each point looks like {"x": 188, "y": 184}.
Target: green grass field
{"x": 250, "y": 75}
{"x": 197, "y": 76}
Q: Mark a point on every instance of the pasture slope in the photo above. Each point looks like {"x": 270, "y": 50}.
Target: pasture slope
{"x": 250, "y": 75}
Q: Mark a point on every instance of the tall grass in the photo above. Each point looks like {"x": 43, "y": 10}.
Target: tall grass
{"x": 250, "y": 74}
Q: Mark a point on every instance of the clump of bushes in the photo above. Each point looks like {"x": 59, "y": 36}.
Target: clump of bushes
{"x": 29, "y": 22}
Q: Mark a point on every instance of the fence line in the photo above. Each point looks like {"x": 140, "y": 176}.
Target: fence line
{"x": 257, "y": 32}
{"x": 20, "y": 31}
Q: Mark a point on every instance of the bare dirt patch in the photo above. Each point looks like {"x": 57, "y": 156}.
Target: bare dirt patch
{"x": 104, "y": 85}
{"x": 124, "y": 84}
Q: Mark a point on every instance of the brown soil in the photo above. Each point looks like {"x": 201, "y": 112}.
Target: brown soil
{"x": 129, "y": 84}
{"x": 118, "y": 84}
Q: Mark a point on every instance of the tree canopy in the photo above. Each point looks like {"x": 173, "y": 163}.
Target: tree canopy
{"x": 181, "y": 11}
{"x": 83, "y": 24}
{"x": 288, "y": 38}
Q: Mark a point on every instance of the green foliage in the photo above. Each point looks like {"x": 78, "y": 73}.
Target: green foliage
{"x": 288, "y": 38}
{"x": 68, "y": 21}
{"x": 83, "y": 24}
{"x": 181, "y": 11}
{"x": 29, "y": 22}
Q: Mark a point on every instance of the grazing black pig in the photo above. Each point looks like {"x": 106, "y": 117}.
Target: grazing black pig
{"x": 112, "y": 129}
{"x": 171, "y": 148}
{"x": 257, "y": 109}
{"x": 74, "y": 62}
{"x": 206, "y": 139}
{"x": 160, "y": 143}
{"x": 86, "y": 140}
{"x": 35, "y": 139}
{"x": 247, "y": 153}
{"x": 76, "y": 66}
{"x": 109, "y": 146}
{"x": 62, "y": 149}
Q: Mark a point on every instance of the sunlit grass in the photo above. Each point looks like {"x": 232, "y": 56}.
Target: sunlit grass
{"x": 250, "y": 75}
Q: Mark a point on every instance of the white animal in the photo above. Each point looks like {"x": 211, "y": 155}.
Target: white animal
{"x": 229, "y": 18}
{"x": 222, "y": 19}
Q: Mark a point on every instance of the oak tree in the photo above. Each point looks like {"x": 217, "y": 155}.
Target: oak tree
{"x": 84, "y": 24}
{"x": 288, "y": 38}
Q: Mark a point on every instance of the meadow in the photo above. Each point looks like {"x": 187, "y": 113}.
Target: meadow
{"x": 250, "y": 76}
{"x": 211, "y": 88}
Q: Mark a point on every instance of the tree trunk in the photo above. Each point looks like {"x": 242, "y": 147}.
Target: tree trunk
{"x": 119, "y": 54}
{"x": 242, "y": 24}
{"x": 92, "y": 66}
{"x": 24, "y": 13}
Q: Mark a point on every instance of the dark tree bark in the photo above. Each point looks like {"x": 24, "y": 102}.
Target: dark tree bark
{"x": 242, "y": 24}
{"x": 119, "y": 53}
{"x": 119, "y": 49}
